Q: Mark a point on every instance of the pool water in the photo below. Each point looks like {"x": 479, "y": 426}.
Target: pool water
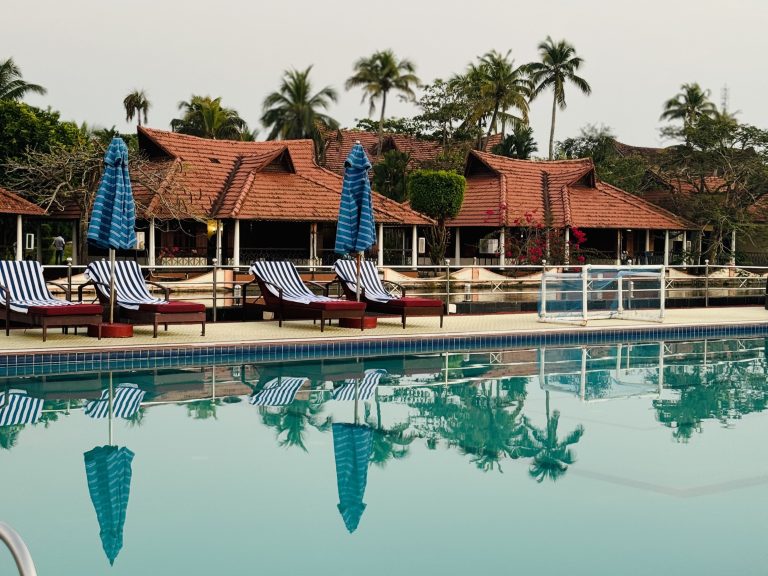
{"x": 645, "y": 458}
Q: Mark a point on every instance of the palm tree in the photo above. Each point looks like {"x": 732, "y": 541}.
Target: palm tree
{"x": 689, "y": 105}
{"x": 551, "y": 457}
{"x": 205, "y": 117}
{"x": 558, "y": 65}
{"x": 503, "y": 87}
{"x": 520, "y": 144}
{"x": 380, "y": 73}
{"x": 293, "y": 112}
{"x": 12, "y": 86}
{"x": 136, "y": 104}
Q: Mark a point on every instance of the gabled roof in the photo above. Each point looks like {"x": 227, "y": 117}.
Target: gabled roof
{"x": 338, "y": 143}
{"x": 504, "y": 192}
{"x": 12, "y": 203}
{"x": 276, "y": 180}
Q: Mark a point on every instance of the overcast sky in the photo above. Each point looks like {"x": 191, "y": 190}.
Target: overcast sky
{"x": 90, "y": 53}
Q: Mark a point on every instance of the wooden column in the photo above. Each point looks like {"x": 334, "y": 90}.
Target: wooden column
{"x": 666, "y": 247}
{"x": 567, "y": 244}
{"x": 380, "y": 246}
{"x": 219, "y": 232}
{"x": 152, "y": 248}
{"x": 19, "y": 239}
{"x": 415, "y": 247}
{"x": 618, "y": 247}
{"x": 732, "y": 261}
{"x": 457, "y": 246}
{"x": 685, "y": 247}
{"x": 502, "y": 243}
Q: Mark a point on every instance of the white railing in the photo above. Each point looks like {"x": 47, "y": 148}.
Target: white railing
{"x": 18, "y": 549}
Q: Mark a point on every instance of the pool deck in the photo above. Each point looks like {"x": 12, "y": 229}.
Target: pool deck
{"x": 268, "y": 332}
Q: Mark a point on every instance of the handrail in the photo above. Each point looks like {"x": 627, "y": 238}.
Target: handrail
{"x": 18, "y": 549}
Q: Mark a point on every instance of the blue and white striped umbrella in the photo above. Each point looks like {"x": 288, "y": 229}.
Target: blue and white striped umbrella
{"x": 126, "y": 401}
{"x": 108, "y": 471}
{"x": 356, "y": 230}
{"x": 352, "y": 446}
{"x": 113, "y": 218}
{"x": 16, "y": 407}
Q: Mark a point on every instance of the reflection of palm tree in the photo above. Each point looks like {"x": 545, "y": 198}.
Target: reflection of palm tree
{"x": 136, "y": 419}
{"x": 291, "y": 421}
{"x": 390, "y": 443}
{"x": 9, "y": 435}
{"x": 551, "y": 457}
{"x": 202, "y": 409}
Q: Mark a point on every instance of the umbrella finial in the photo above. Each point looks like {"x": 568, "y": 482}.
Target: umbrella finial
{"x": 357, "y": 141}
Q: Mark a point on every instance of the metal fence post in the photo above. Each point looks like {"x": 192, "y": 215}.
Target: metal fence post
{"x": 215, "y": 275}
{"x": 706, "y": 283}
{"x": 69, "y": 279}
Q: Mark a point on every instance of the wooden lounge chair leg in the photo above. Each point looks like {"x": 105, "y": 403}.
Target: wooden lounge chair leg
{"x": 99, "y": 330}
{"x": 441, "y": 319}
{"x": 322, "y": 323}
{"x": 203, "y": 332}
{"x": 45, "y": 331}
{"x": 154, "y": 332}
{"x": 166, "y": 327}
{"x": 403, "y": 318}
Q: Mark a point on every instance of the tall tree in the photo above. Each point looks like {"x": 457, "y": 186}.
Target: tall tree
{"x": 136, "y": 105}
{"x": 379, "y": 74}
{"x": 689, "y": 105}
{"x": 12, "y": 85}
{"x": 205, "y": 117}
{"x": 293, "y": 112}
{"x": 502, "y": 87}
{"x": 520, "y": 144}
{"x": 558, "y": 67}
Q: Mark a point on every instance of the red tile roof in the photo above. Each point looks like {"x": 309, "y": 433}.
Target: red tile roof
{"x": 338, "y": 143}
{"x": 11, "y": 203}
{"x": 504, "y": 191}
{"x": 277, "y": 180}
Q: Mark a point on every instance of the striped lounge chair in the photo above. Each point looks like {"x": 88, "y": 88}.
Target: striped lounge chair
{"x": 359, "y": 389}
{"x": 376, "y": 296}
{"x": 286, "y": 295}
{"x": 17, "y": 407}
{"x": 134, "y": 301}
{"x": 278, "y": 392}
{"x": 25, "y": 298}
{"x": 126, "y": 401}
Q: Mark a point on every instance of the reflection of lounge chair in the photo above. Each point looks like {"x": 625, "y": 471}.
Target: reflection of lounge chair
{"x": 134, "y": 300}
{"x": 376, "y": 296}
{"x": 26, "y": 299}
{"x": 287, "y": 296}
{"x": 126, "y": 400}
{"x": 354, "y": 389}
{"x": 17, "y": 407}
{"x": 278, "y": 392}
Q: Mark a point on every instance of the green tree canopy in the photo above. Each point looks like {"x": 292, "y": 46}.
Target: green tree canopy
{"x": 691, "y": 103}
{"x": 136, "y": 105}
{"x": 520, "y": 144}
{"x": 438, "y": 194}
{"x": 557, "y": 68}
{"x": 12, "y": 85}
{"x": 205, "y": 117}
{"x": 390, "y": 175}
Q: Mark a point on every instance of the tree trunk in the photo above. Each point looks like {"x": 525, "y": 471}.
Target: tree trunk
{"x": 490, "y": 126}
{"x": 381, "y": 120}
{"x": 552, "y": 128}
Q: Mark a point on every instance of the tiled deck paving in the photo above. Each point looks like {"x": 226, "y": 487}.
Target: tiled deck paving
{"x": 268, "y": 332}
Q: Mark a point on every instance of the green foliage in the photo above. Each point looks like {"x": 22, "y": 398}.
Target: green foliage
{"x": 444, "y": 108}
{"x": 390, "y": 175}
{"x": 24, "y": 127}
{"x": 405, "y": 126}
{"x": 438, "y": 194}
{"x": 136, "y": 105}
{"x": 205, "y": 117}
{"x": 599, "y": 143}
{"x": 12, "y": 85}
{"x": 520, "y": 144}
{"x": 689, "y": 105}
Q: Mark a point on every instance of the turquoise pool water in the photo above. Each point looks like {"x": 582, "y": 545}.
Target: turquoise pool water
{"x": 623, "y": 459}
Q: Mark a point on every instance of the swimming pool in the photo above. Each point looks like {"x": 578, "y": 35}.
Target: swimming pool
{"x": 605, "y": 458}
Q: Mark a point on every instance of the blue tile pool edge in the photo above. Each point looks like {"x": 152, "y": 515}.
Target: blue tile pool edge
{"x": 69, "y": 361}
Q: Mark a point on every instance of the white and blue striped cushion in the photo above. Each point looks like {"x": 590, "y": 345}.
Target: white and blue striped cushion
{"x": 126, "y": 401}
{"x": 285, "y": 275}
{"x": 130, "y": 288}
{"x": 363, "y": 390}
{"x": 278, "y": 392}
{"x": 346, "y": 270}
{"x": 16, "y": 407}
{"x": 24, "y": 280}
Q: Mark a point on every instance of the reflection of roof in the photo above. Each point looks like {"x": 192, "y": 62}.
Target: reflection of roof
{"x": 11, "y": 203}
{"x": 508, "y": 192}
{"x": 277, "y": 180}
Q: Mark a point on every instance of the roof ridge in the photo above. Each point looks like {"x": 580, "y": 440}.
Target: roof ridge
{"x": 647, "y": 205}
{"x": 219, "y": 202}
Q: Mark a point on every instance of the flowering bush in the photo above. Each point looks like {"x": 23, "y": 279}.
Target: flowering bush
{"x": 530, "y": 242}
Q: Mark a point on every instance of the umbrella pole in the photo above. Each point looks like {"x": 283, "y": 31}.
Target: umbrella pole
{"x": 357, "y": 277}
{"x": 111, "y": 285}
{"x": 357, "y": 419}
{"x": 111, "y": 394}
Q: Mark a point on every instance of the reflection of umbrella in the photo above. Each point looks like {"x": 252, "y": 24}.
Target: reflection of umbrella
{"x": 114, "y": 218}
{"x": 16, "y": 407}
{"x": 352, "y": 445}
{"x": 278, "y": 392}
{"x": 125, "y": 403}
{"x": 352, "y": 390}
{"x": 355, "y": 231}
{"x": 108, "y": 469}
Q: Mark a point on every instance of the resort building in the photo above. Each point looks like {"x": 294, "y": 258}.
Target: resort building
{"x": 507, "y": 199}
{"x": 20, "y": 220}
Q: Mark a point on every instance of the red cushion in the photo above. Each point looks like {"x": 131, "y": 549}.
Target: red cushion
{"x": 337, "y": 305}
{"x": 415, "y": 302}
{"x": 172, "y": 307}
{"x": 73, "y": 310}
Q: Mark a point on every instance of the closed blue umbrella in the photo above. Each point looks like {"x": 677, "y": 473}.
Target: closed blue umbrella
{"x": 356, "y": 229}
{"x": 352, "y": 446}
{"x": 108, "y": 470}
{"x": 113, "y": 219}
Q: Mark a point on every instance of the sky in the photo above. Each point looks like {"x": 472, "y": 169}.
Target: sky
{"x": 89, "y": 54}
